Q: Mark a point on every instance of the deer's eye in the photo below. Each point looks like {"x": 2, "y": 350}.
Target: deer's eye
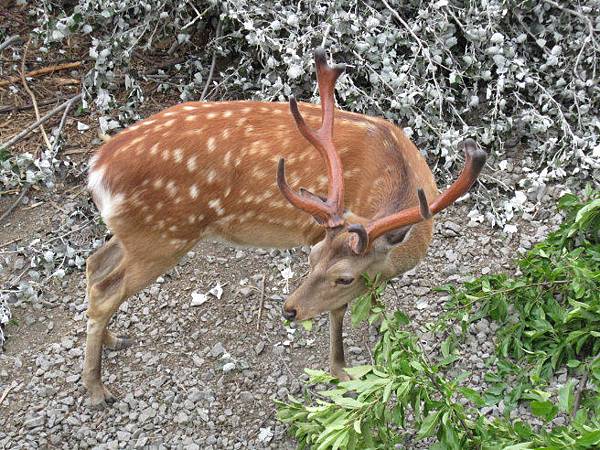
{"x": 344, "y": 281}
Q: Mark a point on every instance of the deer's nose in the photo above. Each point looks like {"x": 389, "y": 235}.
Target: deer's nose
{"x": 289, "y": 314}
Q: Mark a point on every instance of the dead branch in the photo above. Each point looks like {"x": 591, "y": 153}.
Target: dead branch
{"x": 212, "y": 64}
{"x": 262, "y": 303}
{"x": 12, "y": 207}
{"x": 14, "y": 108}
{"x": 33, "y": 126}
{"x": 6, "y": 392}
{"x": 43, "y": 71}
{"x": 9, "y": 41}
{"x": 32, "y": 96}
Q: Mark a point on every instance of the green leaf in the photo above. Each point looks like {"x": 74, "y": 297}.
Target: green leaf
{"x": 318, "y": 376}
{"x": 545, "y": 410}
{"x": 357, "y": 426}
{"x": 357, "y": 372}
{"x": 429, "y": 425}
{"x": 387, "y": 392}
{"x": 588, "y": 439}
{"x": 360, "y": 309}
{"x": 566, "y": 396}
{"x": 472, "y": 395}
{"x": 307, "y": 324}
{"x": 348, "y": 402}
{"x": 520, "y": 446}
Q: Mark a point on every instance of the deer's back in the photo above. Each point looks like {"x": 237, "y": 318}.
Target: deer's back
{"x": 200, "y": 169}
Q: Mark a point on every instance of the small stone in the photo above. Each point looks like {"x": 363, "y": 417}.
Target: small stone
{"x": 228, "y": 367}
{"x": 245, "y": 291}
{"x": 181, "y": 417}
{"x": 34, "y": 422}
{"x": 259, "y": 347}
{"x": 217, "y": 350}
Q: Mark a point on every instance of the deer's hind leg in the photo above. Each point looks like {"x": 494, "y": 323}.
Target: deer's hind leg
{"x": 98, "y": 266}
{"x": 115, "y": 273}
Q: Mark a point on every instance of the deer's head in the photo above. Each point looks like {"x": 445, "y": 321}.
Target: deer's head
{"x": 352, "y": 245}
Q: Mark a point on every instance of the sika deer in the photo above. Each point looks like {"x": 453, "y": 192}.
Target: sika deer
{"x": 202, "y": 170}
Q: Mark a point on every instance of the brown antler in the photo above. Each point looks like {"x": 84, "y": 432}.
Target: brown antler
{"x": 474, "y": 161}
{"x": 329, "y": 212}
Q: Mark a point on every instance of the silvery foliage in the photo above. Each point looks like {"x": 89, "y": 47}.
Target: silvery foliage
{"x": 5, "y": 316}
{"x": 519, "y": 76}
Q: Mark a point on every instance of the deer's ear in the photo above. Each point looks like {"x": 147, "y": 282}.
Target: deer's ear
{"x": 398, "y": 236}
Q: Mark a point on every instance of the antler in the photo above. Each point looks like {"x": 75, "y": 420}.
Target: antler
{"x": 474, "y": 161}
{"x": 327, "y": 212}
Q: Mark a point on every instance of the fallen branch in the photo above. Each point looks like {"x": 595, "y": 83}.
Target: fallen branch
{"x": 31, "y": 95}
{"x": 262, "y": 303}
{"x": 12, "y": 141}
{"x": 212, "y": 64}
{"x": 6, "y": 392}
{"x": 43, "y": 71}
{"x": 10, "y": 109}
{"x": 9, "y": 41}
{"x": 12, "y": 207}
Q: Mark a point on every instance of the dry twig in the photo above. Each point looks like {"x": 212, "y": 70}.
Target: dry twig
{"x": 18, "y": 137}
{"x": 9, "y": 41}
{"x": 32, "y": 96}
{"x": 262, "y": 303}
{"x": 14, "y": 108}
{"x": 6, "y": 392}
{"x": 42, "y": 71}
{"x": 212, "y": 64}
{"x": 12, "y": 207}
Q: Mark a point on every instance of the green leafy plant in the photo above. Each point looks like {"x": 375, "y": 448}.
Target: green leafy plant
{"x": 548, "y": 319}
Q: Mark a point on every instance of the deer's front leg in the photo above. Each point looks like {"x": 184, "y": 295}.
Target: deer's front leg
{"x": 336, "y": 344}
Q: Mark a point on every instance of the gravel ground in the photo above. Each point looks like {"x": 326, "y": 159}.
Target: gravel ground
{"x": 204, "y": 373}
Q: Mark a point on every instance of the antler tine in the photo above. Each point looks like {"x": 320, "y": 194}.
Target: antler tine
{"x": 322, "y": 139}
{"x": 474, "y": 161}
{"x": 316, "y": 208}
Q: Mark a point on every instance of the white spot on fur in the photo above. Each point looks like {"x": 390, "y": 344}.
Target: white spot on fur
{"x": 158, "y": 183}
{"x": 194, "y": 191}
{"x": 171, "y": 188}
{"x": 191, "y": 219}
{"x": 189, "y": 108}
{"x": 211, "y": 115}
{"x": 227, "y": 158}
{"x": 154, "y": 149}
{"x": 211, "y": 144}
{"x": 227, "y": 114}
{"x": 165, "y": 155}
{"x": 191, "y": 163}
{"x": 216, "y": 205}
{"x": 178, "y": 155}
{"x": 212, "y": 175}
{"x": 226, "y": 133}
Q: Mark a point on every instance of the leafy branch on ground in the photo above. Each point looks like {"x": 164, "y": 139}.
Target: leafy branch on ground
{"x": 549, "y": 318}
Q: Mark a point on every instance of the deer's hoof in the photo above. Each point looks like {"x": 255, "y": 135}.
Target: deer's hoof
{"x": 101, "y": 398}
{"x": 340, "y": 373}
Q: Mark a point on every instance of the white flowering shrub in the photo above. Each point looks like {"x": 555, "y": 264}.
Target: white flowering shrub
{"x": 519, "y": 76}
